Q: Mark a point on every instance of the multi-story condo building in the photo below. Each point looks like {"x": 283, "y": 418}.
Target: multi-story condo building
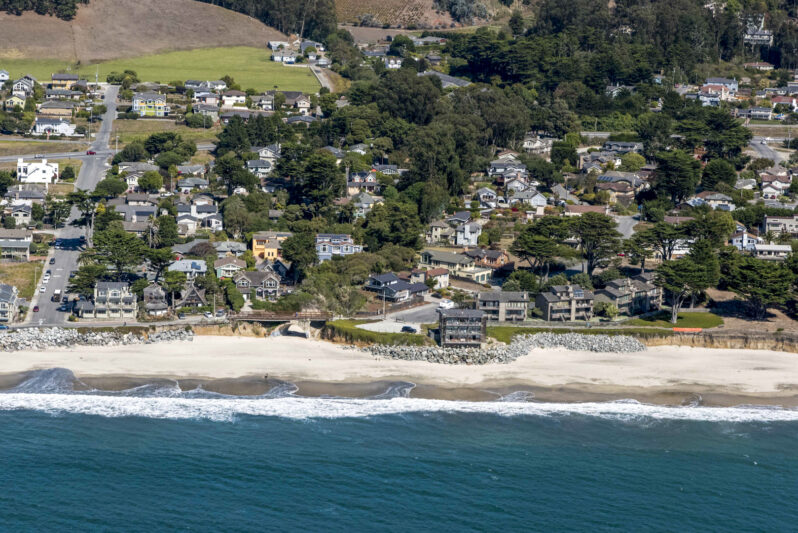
{"x": 565, "y": 302}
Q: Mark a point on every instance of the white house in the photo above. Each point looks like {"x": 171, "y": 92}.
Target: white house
{"x": 745, "y": 242}
{"x": 392, "y": 62}
{"x": 33, "y": 172}
{"x": 234, "y": 98}
{"x": 468, "y": 234}
{"x": 4, "y": 76}
{"x": 53, "y": 126}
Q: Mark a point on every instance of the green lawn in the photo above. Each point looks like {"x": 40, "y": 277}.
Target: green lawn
{"x": 684, "y": 320}
{"x": 348, "y": 330}
{"x": 130, "y": 130}
{"x": 251, "y": 67}
{"x": 21, "y": 275}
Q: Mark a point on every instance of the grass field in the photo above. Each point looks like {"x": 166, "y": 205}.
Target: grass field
{"x": 130, "y": 130}
{"x": 21, "y": 275}
{"x": 31, "y": 147}
{"x": 684, "y": 320}
{"x": 250, "y": 67}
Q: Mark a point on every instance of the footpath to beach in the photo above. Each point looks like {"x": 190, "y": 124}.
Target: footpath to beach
{"x": 755, "y": 373}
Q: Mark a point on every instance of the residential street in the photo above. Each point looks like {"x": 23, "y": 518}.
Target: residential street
{"x": 766, "y": 151}
{"x": 66, "y": 257}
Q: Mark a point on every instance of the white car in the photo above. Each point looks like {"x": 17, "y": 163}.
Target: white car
{"x": 446, "y": 304}
{"x": 45, "y": 279}
{"x": 42, "y": 288}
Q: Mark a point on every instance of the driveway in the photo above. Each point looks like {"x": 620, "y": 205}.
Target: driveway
{"x": 626, "y": 225}
{"x": 394, "y": 322}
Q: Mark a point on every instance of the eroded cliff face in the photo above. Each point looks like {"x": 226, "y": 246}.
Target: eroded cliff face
{"x": 773, "y": 342}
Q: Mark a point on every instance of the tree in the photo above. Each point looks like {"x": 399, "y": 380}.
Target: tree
{"x": 632, "y": 162}
{"x": 110, "y": 187}
{"x": 86, "y": 278}
{"x": 393, "y": 223}
{"x": 6, "y": 181}
{"x": 9, "y": 222}
{"x": 300, "y": 249}
{"x": 234, "y": 137}
{"x": 680, "y": 278}
{"x": 117, "y": 248}
{"x": 68, "y": 174}
{"x": 59, "y": 211}
{"x": 598, "y": 239}
{"x": 151, "y": 181}
{"x": 159, "y": 259}
{"x": 718, "y": 171}
{"x": 664, "y": 237}
{"x": 173, "y": 281}
{"x": 606, "y": 309}
{"x": 516, "y": 22}
{"x": 167, "y": 231}
{"x": 763, "y": 284}
{"x": 638, "y": 249}
{"x": 321, "y": 181}
{"x": 677, "y": 175}
{"x": 539, "y": 243}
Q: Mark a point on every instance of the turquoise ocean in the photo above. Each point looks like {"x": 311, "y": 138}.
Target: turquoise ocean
{"x": 161, "y": 459}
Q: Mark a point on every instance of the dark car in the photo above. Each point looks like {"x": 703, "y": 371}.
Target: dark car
{"x": 52, "y": 260}
{"x": 3, "y": 326}
{"x": 409, "y": 329}
{"x": 181, "y": 316}
{"x": 35, "y": 308}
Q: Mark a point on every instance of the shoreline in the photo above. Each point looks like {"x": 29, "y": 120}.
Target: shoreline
{"x": 240, "y": 366}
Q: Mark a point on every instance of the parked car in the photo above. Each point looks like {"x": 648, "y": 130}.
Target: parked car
{"x": 36, "y": 308}
{"x": 52, "y": 260}
{"x": 207, "y": 314}
{"x": 3, "y": 326}
{"x": 181, "y": 316}
{"x": 446, "y": 304}
{"x": 42, "y": 288}
{"x": 409, "y": 329}
{"x": 220, "y": 313}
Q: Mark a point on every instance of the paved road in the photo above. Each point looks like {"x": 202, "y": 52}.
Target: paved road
{"x": 59, "y": 155}
{"x": 766, "y": 151}
{"x": 626, "y": 224}
{"x": 66, "y": 256}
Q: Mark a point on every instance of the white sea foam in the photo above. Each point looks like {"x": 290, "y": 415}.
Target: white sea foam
{"x": 227, "y": 409}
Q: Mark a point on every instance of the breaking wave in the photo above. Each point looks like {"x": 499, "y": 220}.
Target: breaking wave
{"x": 228, "y": 409}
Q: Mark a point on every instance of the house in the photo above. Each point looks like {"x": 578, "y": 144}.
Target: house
{"x": 113, "y": 299}
{"x": 439, "y": 275}
{"x": 234, "y": 98}
{"x": 27, "y": 194}
{"x": 13, "y": 101}
{"x": 329, "y": 245}
{"x": 9, "y": 303}
{"x": 336, "y": 152}
{"x": 462, "y": 328}
{"x": 388, "y": 170}
{"x": 565, "y": 303}
{"x": 206, "y": 98}
{"x": 62, "y": 94}
{"x": 15, "y": 244}
{"x": 227, "y": 267}
{"x": 53, "y": 126}
{"x": 190, "y": 296}
{"x": 756, "y": 113}
{"x": 447, "y": 81}
{"x": 276, "y": 45}
{"x": 503, "y": 306}
{"x": 23, "y": 87}
{"x": 154, "y": 300}
{"x": 745, "y": 184}
{"x": 439, "y": 231}
{"x": 731, "y": 84}
{"x": 458, "y": 265}
{"x": 772, "y": 252}
{"x": 468, "y": 234}
{"x": 745, "y": 241}
{"x": 514, "y": 186}
{"x": 622, "y": 147}
{"x": 260, "y": 285}
{"x": 458, "y": 218}
{"x": 4, "y": 76}
{"x": 191, "y": 170}
{"x": 21, "y": 213}
{"x": 433, "y": 59}
{"x": 190, "y": 267}
{"x": 304, "y": 120}
{"x": 529, "y": 196}
{"x": 150, "y": 105}
{"x": 487, "y": 196}
{"x": 32, "y": 172}
{"x": 136, "y": 166}
{"x": 493, "y": 259}
{"x": 363, "y": 203}
{"x": 199, "y": 86}
{"x": 715, "y": 200}
{"x": 266, "y": 244}
{"x": 264, "y": 102}
{"x": 302, "y": 104}
{"x": 392, "y": 62}
{"x": 56, "y": 108}
{"x": 534, "y": 144}
{"x": 631, "y": 296}
{"x": 391, "y": 288}
{"x": 619, "y": 192}
{"x": 507, "y": 168}
{"x": 362, "y": 182}
{"x": 287, "y": 57}
{"x": 269, "y": 153}
{"x": 229, "y": 248}
{"x": 186, "y": 185}
{"x": 579, "y": 210}
{"x": 260, "y": 167}
{"x": 63, "y": 80}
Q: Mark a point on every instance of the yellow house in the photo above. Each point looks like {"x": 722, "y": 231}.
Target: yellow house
{"x": 62, "y": 80}
{"x": 266, "y": 244}
{"x": 15, "y": 100}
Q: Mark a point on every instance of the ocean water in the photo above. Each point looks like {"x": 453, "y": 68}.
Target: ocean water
{"x": 161, "y": 459}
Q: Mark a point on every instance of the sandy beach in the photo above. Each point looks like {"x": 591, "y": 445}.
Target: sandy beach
{"x": 241, "y": 365}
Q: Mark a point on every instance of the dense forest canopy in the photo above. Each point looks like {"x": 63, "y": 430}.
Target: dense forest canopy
{"x": 314, "y": 19}
{"x": 64, "y": 9}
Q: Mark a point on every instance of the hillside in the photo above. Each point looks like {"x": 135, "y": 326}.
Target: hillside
{"x": 418, "y": 13}
{"x": 110, "y": 29}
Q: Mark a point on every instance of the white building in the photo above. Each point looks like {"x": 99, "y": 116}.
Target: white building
{"x": 468, "y": 234}
{"x": 53, "y": 126}
{"x": 33, "y": 172}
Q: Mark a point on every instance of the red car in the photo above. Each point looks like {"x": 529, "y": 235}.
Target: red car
{"x": 91, "y": 152}
{"x": 35, "y": 308}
